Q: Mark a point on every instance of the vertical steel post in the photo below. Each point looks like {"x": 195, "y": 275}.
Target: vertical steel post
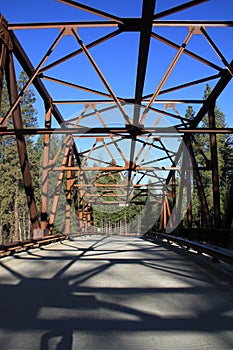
{"x": 214, "y": 164}
{"x": 182, "y": 185}
{"x": 190, "y": 215}
{"x": 173, "y": 174}
{"x": 80, "y": 204}
{"x": 228, "y": 219}
{"x": 189, "y": 193}
{"x": 2, "y": 68}
{"x": 58, "y": 187}
{"x": 161, "y": 218}
{"x": 165, "y": 219}
{"x": 173, "y": 195}
{"x": 76, "y": 205}
{"x": 91, "y": 216}
{"x": 21, "y": 146}
{"x": 88, "y": 217}
{"x": 6, "y": 45}
{"x": 200, "y": 188}
{"x": 68, "y": 194}
{"x": 45, "y": 171}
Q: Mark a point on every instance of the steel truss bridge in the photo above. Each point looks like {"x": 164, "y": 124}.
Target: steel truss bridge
{"x": 142, "y": 142}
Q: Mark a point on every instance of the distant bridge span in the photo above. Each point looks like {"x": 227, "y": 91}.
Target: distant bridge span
{"x": 114, "y": 292}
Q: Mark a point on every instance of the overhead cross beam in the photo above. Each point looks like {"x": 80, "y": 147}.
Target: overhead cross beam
{"x": 178, "y": 8}
{"x": 144, "y": 45}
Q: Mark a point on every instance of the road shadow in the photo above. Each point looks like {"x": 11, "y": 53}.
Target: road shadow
{"x": 73, "y": 301}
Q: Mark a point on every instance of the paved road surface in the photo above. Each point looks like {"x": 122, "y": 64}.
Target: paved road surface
{"x": 112, "y": 293}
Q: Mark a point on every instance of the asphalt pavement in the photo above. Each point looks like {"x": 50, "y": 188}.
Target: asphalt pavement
{"x": 111, "y": 293}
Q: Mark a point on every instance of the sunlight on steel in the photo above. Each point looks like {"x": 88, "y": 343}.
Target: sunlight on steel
{"x": 142, "y": 147}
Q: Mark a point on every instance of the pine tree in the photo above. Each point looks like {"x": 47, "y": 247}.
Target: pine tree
{"x": 14, "y": 216}
{"x": 203, "y": 156}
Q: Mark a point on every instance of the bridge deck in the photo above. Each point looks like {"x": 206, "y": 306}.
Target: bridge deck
{"x": 112, "y": 293}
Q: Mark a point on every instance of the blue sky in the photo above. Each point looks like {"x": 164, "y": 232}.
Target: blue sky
{"x": 117, "y": 57}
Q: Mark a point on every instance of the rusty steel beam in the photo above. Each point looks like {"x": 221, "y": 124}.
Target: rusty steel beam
{"x": 199, "y": 150}
{"x": 115, "y": 132}
{"x": 27, "y": 66}
{"x": 178, "y": 8}
{"x": 91, "y": 10}
{"x": 69, "y": 145}
{"x": 58, "y": 185}
{"x": 128, "y": 24}
{"x": 57, "y": 102}
{"x": 59, "y": 25}
{"x": 206, "y": 131}
{"x": 21, "y": 145}
{"x": 5, "y": 46}
{"x": 145, "y": 36}
{"x": 5, "y": 35}
{"x": 184, "y": 126}
{"x": 126, "y": 203}
{"x": 29, "y": 69}
{"x": 114, "y": 168}
{"x": 182, "y": 186}
{"x": 214, "y": 166}
{"x": 101, "y": 76}
{"x": 2, "y": 68}
{"x": 79, "y": 87}
{"x": 79, "y": 51}
{"x": 144, "y": 157}
{"x": 79, "y": 204}
{"x": 111, "y": 137}
{"x": 158, "y": 147}
{"x": 186, "y": 52}
{"x": 216, "y": 49}
{"x": 114, "y": 185}
{"x": 70, "y": 179}
{"x": 120, "y": 195}
{"x": 45, "y": 164}
{"x": 219, "y": 87}
{"x": 170, "y": 68}
{"x": 193, "y": 23}
{"x": 200, "y": 188}
{"x": 32, "y": 77}
{"x": 192, "y": 83}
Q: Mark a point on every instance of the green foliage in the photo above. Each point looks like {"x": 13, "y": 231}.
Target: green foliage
{"x": 203, "y": 157}
{"x": 14, "y": 218}
{"x": 120, "y": 213}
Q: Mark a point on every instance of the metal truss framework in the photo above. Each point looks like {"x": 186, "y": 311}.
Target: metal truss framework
{"x": 136, "y": 125}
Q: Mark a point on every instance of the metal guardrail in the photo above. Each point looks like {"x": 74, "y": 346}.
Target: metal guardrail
{"x": 217, "y": 253}
{"x": 16, "y": 247}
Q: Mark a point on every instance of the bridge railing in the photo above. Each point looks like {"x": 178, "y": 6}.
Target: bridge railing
{"x": 12, "y": 248}
{"x": 217, "y": 253}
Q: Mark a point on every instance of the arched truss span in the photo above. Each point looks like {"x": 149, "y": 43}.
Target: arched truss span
{"x": 117, "y": 90}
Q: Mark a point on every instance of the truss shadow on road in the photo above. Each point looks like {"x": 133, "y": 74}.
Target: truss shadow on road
{"x": 101, "y": 287}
